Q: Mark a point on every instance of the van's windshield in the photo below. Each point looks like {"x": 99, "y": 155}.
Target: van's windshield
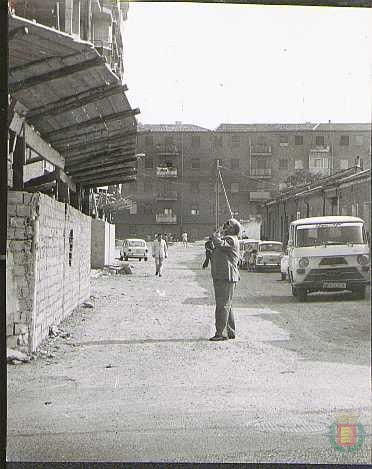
{"x": 330, "y": 233}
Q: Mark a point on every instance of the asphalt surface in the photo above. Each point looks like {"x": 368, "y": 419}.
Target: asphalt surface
{"x": 137, "y": 380}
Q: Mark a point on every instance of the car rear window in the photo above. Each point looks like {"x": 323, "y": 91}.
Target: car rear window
{"x": 140, "y": 244}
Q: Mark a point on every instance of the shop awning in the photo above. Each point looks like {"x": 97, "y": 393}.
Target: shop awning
{"x": 73, "y": 103}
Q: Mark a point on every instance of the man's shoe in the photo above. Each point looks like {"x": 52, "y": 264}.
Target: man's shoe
{"x": 231, "y": 336}
{"x": 159, "y": 275}
{"x": 156, "y": 273}
{"x": 218, "y": 338}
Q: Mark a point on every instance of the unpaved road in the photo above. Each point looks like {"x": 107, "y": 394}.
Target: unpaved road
{"x": 138, "y": 380}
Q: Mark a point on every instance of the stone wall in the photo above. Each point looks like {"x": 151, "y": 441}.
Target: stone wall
{"x": 48, "y": 266}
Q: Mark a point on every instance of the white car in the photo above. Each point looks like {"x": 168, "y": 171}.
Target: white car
{"x": 328, "y": 253}
{"x": 269, "y": 255}
{"x": 134, "y": 248}
{"x": 284, "y": 266}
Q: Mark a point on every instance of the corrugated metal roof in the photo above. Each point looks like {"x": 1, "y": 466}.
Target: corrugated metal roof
{"x": 48, "y": 67}
{"x": 319, "y": 127}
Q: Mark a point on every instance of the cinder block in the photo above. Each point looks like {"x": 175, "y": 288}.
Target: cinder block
{"x": 21, "y": 329}
{"x": 11, "y": 341}
{"x": 15, "y": 197}
{"x": 11, "y": 209}
{"x": 27, "y": 197}
{"x": 20, "y": 233}
{"x": 23, "y": 211}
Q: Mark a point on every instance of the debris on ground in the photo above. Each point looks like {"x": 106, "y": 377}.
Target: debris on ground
{"x": 54, "y": 331}
{"x": 15, "y": 357}
{"x": 87, "y": 304}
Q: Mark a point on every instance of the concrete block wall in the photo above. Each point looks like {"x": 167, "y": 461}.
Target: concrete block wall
{"x": 47, "y": 275}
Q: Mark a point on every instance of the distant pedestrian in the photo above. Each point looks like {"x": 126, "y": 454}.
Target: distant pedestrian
{"x": 252, "y": 261}
{"x": 208, "y": 252}
{"x": 159, "y": 253}
{"x": 184, "y": 238}
{"x": 225, "y": 274}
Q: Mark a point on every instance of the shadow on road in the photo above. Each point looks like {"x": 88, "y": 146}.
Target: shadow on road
{"x": 139, "y": 341}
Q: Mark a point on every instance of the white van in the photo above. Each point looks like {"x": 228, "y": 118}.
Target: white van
{"x": 328, "y": 253}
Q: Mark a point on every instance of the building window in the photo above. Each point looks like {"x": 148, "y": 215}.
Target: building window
{"x": 169, "y": 140}
{"x": 194, "y": 187}
{"x": 195, "y": 163}
{"x": 234, "y": 164}
{"x": 299, "y": 164}
{"x": 344, "y": 164}
{"x": 359, "y": 140}
{"x": 319, "y": 140}
{"x": 149, "y": 140}
{"x": 235, "y": 140}
{"x": 261, "y": 140}
{"x": 234, "y": 187}
{"x": 194, "y": 211}
{"x": 283, "y": 140}
{"x": 220, "y": 162}
{"x": 299, "y": 140}
{"x": 283, "y": 164}
{"x": 149, "y": 163}
{"x": 195, "y": 141}
{"x": 344, "y": 140}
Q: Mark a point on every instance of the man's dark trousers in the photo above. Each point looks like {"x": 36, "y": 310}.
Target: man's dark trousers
{"x": 225, "y": 324}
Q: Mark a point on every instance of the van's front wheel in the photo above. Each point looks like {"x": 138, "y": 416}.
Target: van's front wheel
{"x": 302, "y": 294}
{"x": 359, "y": 293}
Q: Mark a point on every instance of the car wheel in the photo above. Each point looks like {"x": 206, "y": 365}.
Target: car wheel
{"x": 359, "y": 293}
{"x": 139, "y": 259}
{"x": 284, "y": 276}
{"x": 302, "y": 294}
{"x": 126, "y": 258}
{"x": 145, "y": 259}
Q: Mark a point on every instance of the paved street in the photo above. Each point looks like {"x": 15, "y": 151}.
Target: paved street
{"x": 137, "y": 379}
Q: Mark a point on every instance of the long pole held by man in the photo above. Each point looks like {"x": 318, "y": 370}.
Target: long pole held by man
{"x": 225, "y": 275}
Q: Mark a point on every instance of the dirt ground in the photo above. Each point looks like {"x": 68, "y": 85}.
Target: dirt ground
{"x": 135, "y": 378}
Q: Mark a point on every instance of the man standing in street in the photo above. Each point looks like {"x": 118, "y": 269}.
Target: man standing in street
{"x": 208, "y": 252}
{"x": 225, "y": 274}
{"x": 184, "y": 239}
{"x": 159, "y": 253}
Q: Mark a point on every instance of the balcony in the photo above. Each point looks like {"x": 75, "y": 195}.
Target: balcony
{"x": 166, "y": 219}
{"x": 319, "y": 150}
{"x": 167, "y": 150}
{"x": 259, "y": 196}
{"x": 166, "y": 172}
{"x": 261, "y": 150}
{"x": 261, "y": 172}
{"x": 171, "y": 195}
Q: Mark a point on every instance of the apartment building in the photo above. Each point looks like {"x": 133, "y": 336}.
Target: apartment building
{"x": 176, "y": 179}
{"x": 100, "y": 22}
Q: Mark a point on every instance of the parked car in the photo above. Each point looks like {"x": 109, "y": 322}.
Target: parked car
{"x": 269, "y": 255}
{"x": 328, "y": 253}
{"x": 246, "y": 247}
{"x": 134, "y": 248}
{"x": 284, "y": 266}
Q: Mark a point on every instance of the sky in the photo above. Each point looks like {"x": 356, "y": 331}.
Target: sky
{"x": 208, "y": 64}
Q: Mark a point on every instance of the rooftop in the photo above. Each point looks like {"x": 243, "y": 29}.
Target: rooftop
{"x": 300, "y": 127}
{"x": 176, "y": 127}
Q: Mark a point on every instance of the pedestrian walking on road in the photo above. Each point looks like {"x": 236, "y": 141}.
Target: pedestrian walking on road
{"x": 184, "y": 239}
{"x": 159, "y": 253}
{"x": 225, "y": 274}
{"x": 208, "y": 252}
